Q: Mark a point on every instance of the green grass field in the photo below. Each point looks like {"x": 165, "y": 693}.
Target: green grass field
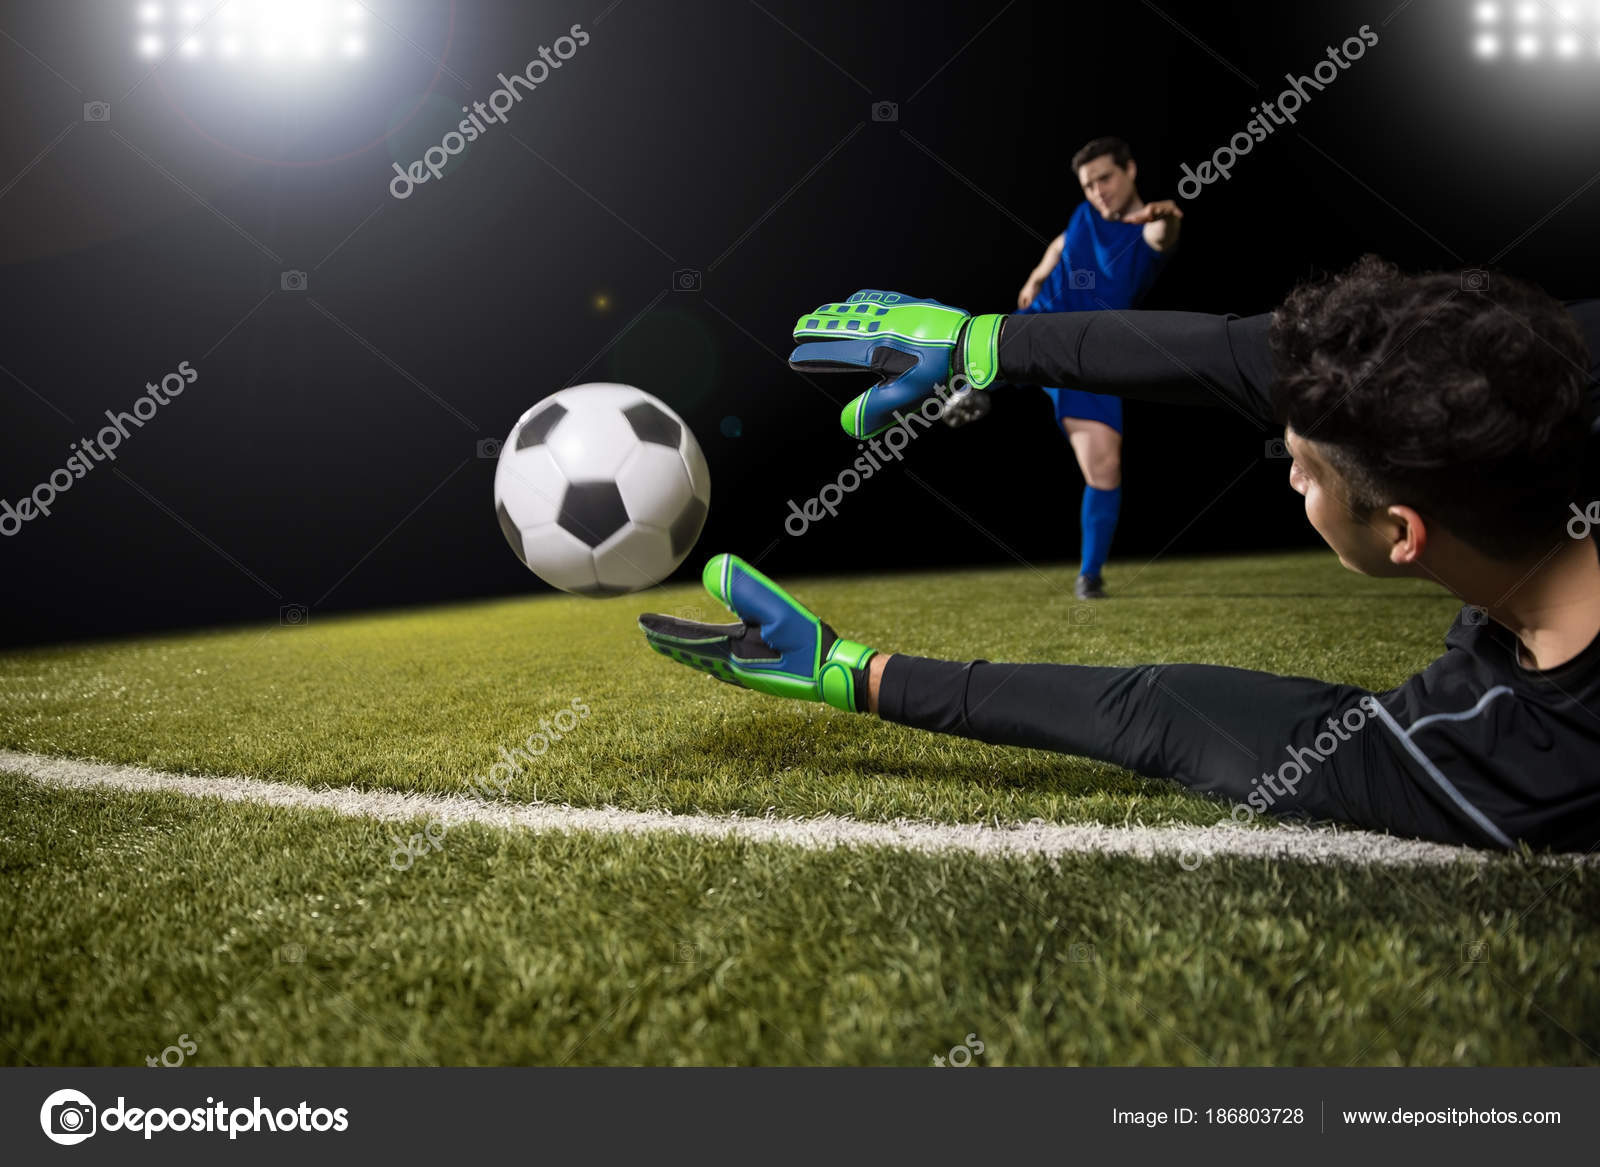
{"x": 274, "y": 935}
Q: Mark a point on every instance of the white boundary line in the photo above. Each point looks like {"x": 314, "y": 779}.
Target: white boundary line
{"x": 1190, "y": 845}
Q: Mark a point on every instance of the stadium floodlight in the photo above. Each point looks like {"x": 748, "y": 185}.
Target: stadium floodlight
{"x": 1528, "y": 30}
{"x": 276, "y": 31}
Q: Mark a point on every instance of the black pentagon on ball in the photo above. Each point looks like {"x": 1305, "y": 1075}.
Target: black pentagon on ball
{"x": 686, "y": 527}
{"x": 651, "y": 424}
{"x": 537, "y": 428}
{"x": 511, "y": 532}
{"x": 592, "y": 512}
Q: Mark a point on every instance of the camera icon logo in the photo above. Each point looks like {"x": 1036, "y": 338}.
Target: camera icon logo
{"x": 293, "y": 615}
{"x": 1278, "y": 448}
{"x": 1474, "y": 280}
{"x": 1472, "y": 615}
{"x": 97, "y": 111}
{"x": 67, "y": 1117}
{"x": 885, "y": 111}
{"x": 1081, "y": 279}
{"x": 686, "y": 279}
{"x": 292, "y": 281}
{"x": 489, "y": 448}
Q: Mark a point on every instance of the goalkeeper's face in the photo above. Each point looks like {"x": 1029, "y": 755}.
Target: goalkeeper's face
{"x": 1362, "y": 542}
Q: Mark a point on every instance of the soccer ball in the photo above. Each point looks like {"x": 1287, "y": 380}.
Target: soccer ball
{"x": 601, "y": 490}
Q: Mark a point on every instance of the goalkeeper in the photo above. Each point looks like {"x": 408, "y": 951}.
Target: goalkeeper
{"x": 1435, "y": 433}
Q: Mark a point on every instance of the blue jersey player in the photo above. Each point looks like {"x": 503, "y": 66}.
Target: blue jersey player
{"x": 1108, "y": 257}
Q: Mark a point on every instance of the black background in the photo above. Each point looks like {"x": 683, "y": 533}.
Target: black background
{"x": 328, "y": 454}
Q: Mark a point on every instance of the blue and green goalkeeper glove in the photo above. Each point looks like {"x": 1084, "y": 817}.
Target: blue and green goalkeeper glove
{"x": 913, "y": 345}
{"x": 777, "y": 647}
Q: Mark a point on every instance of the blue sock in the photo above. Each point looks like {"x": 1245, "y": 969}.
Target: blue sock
{"x": 1098, "y": 520}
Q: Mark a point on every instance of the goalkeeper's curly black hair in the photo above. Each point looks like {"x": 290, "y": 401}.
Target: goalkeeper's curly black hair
{"x": 1461, "y": 395}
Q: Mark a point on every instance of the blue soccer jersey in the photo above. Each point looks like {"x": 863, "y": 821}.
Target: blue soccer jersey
{"x": 1103, "y": 265}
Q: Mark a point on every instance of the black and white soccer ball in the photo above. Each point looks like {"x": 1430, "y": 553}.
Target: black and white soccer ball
{"x": 601, "y": 490}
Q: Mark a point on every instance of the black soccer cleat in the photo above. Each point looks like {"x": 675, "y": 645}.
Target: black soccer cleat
{"x": 1089, "y": 587}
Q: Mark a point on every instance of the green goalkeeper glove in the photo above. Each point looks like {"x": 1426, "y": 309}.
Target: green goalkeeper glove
{"x": 915, "y": 346}
{"x": 777, "y": 647}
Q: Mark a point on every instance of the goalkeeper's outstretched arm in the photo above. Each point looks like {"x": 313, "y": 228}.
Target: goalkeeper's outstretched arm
{"x": 1184, "y": 358}
{"x": 1271, "y": 745}
{"x": 1179, "y": 358}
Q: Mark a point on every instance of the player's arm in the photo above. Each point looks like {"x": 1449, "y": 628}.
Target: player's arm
{"x": 1178, "y": 358}
{"x": 1162, "y": 221}
{"x": 915, "y": 347}
{"x": 1037, "y": 277}
{"x": 1217, "y": 730}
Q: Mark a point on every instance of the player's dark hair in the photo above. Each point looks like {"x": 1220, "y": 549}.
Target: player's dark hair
{"x": 1116, "y": 147}
{"x": 1461, "y": 395}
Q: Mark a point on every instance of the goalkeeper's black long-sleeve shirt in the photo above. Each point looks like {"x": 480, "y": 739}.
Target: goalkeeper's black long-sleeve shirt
{"x": 1180, "y": 358}
{"x": 1474, "y": 749}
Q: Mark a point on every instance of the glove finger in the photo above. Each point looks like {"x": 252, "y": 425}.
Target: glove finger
{"x": 790, "y": 633}
{"x": 705, "y": 647}
{"x": 883, "y": 406}
{"x": 874, "y": 298}
{"x": 680, "y": 631}
{"x": 832, "y": 321}
{"x": 886, "y": 358}
{"x": 834, "y": 356}
{"x": 862, "y": 312}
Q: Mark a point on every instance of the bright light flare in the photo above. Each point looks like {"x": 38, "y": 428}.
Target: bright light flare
{"x": 281, "y": 32}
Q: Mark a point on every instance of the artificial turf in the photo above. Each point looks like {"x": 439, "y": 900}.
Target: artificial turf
{"x": 276, "y": 937}
{"x": 426, "y": 700}
{"x": 272, "y": 935}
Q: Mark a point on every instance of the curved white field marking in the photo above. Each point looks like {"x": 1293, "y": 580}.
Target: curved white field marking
{"x": 1189, "y": 844}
